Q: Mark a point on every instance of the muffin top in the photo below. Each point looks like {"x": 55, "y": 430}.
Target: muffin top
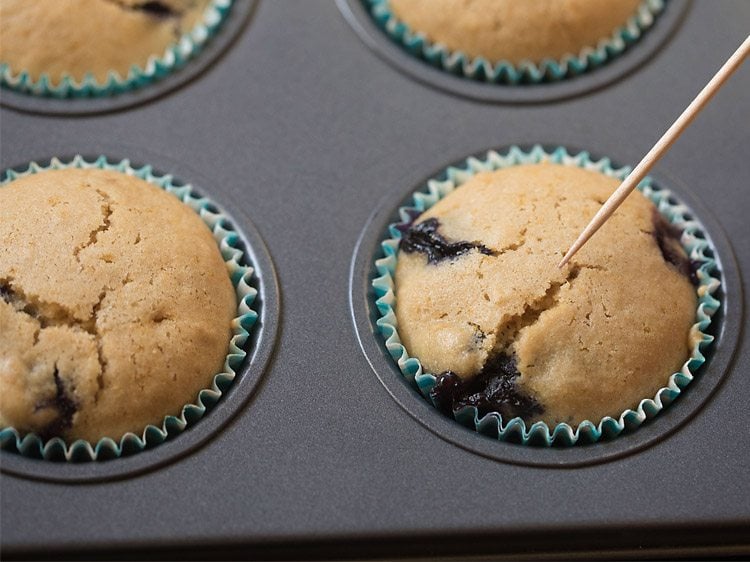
{"x": 509, "y": 30}
{"x": 483, "y": 305}
{"x": 76, "y": 37}
{"x": 115, "y": 304}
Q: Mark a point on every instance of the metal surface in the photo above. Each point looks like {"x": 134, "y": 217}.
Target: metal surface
{"x": 304, "y": 135}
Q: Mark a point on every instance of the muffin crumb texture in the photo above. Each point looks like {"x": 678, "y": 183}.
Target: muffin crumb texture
{"x": 512, "y": 30}
{"x": 69, "y": 37}
{"x": 506, "y": 331}
{"x": 115, "y": 305}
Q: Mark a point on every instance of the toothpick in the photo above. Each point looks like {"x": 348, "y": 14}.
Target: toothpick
{"x": 661, "y": 147}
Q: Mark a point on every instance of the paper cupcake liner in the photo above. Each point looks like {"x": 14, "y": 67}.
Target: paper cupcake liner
{"x": 692, "y": 239}
{"x": 505, "y": 72}
{"x": 229, "y": 242}
{"x": 174, "y": 57}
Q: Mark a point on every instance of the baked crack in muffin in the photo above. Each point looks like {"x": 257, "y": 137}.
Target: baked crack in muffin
{"x": 79, "y": 37}
{"x": 115, "y": 305}
{"x": 481, "y": 302}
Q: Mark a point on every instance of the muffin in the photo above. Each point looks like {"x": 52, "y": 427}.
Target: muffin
{"x": 515, "y": 42}
{"x": 115, "y": 305}
{"x": 508, "y": 30}
{"x": 76, "y": 38}
{"x": 481, "y": 302}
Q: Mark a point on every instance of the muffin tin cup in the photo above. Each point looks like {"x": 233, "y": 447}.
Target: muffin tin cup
{"x": 480, "y": 69}
{"x": 176, "y": 55}
{"x": 230, "y": 246}
{"x": 693, "y": 240}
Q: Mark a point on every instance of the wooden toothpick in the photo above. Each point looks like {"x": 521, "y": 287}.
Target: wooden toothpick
{"x": 663, "y": 144}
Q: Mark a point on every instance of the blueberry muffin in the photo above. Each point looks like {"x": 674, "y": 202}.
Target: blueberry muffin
{"x": 115, "y": 305}
{"x": 77, "y": 37}
{"x": 481, "y": 302}
{"x": 513, "y": 30}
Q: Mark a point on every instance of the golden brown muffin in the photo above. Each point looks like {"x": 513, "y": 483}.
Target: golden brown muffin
{"x": 115, "y": 304}
{"x": 480, "y": 297}
{"x": 76, "y": 37}
{"x": 513, "y": 30}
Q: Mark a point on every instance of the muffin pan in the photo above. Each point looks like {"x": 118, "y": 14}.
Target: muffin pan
{"x": 311, "y": 142}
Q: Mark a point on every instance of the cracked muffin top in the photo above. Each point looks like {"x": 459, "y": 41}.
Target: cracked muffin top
{"x": 509, "y": 30}
{"x": 76, "y": 37}
{"x": 115, "y": 305}
{"x": 483, "y": 305}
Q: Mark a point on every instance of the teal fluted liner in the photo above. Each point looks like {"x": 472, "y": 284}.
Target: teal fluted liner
{"x": 692, "y": 239}
{"x": 56, "y": 449}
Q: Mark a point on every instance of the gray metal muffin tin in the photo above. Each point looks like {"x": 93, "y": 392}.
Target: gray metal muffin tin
{"x": 311, "y": 138}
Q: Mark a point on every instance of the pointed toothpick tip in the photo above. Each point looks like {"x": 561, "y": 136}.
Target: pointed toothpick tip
{"x": 661, "y": 146}
{"x": 567, "y": 256}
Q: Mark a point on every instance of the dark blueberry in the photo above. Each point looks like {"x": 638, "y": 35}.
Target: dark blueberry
{"x": 446, "y": 391}
{"x": 404, "y": 227}
{"x": 492, "y": 390}
{"x": 65, "y": 406}
{"x": 668, "y": 239}
{"x": 6, "y": 292}
{"x": 424, "y": 238}
{"x": 156, "y": 9}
